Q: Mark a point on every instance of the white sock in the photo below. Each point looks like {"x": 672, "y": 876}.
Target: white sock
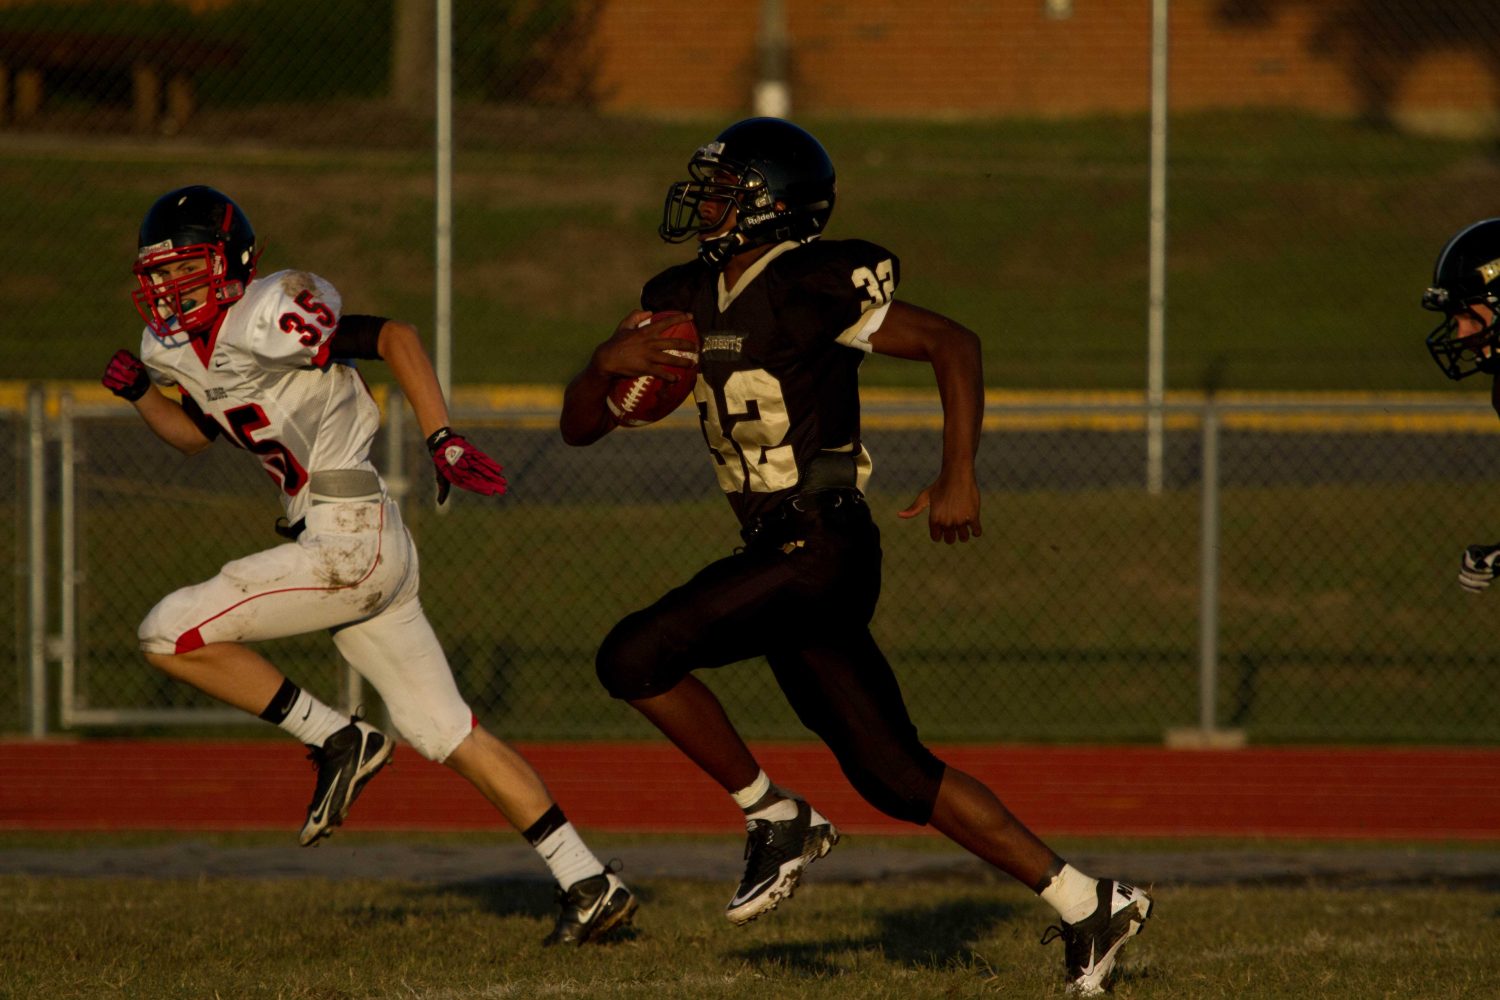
{"x": 1072, "y": 894}
{"x": 753, "y": 792}
{"x": 568, "y": 857}
{"x": 311, "y": 721}
{"x": 777, "y": 811}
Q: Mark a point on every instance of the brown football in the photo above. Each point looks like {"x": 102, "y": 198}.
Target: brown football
{"x": 645, "y": 399}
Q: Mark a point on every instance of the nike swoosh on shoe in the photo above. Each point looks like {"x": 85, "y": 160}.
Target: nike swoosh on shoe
{"x": 321, "y": 813}
{"x": 737, "y": 900}
{"x": 1093, "y": 962}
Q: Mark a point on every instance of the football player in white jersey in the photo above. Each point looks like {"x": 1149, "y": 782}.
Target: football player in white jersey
{"x": 264, "y": 362}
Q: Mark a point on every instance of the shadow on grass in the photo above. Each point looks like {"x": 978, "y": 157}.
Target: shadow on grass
{"x": 919, "y": 938}
{"x": 532, "y": 898}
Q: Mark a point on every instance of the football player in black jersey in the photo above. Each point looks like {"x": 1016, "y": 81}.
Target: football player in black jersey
{"x": 784, "y": 318}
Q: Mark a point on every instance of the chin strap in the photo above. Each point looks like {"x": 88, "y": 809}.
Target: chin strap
{"x": 716, "y": 252}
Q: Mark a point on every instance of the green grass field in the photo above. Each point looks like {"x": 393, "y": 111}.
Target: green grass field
{"x": 1298, "y": 246}
{"x": 314, "y": 939}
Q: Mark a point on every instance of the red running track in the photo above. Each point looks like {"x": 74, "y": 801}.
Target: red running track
{"x": 1419, "y": 794}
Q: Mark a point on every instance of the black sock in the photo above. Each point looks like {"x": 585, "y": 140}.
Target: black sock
{"x": 552, "y": 820}
{"x": 281, "y": 703}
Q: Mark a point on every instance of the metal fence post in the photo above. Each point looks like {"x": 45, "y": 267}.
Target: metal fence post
{"x": 1156, "y": 306}
{"x": 396, "y": 480}
{"x": 1208, "y": 576}
{"x": 443, "y": 202}
{"x": 66, "y": 646}
{"x": 36, "y": 558}
{"x": 398, "y": 486}
{"x": 1207, "y": 733}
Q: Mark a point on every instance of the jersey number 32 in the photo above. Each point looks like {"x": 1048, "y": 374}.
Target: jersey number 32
{"x": 752, "y": 450}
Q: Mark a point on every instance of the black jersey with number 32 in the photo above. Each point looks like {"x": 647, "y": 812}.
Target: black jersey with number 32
{"x": 778, "y": 389}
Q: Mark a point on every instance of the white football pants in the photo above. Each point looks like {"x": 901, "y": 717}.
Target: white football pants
{"x": 353, "y": 571}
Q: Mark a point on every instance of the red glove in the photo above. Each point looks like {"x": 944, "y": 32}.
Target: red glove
{"x": 460, "y": 463}
{"x": 126, "y": 377}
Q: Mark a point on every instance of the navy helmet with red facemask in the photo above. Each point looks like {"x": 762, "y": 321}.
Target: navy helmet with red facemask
{"x": 774, "y": 173}
{"x": 1467, "y": 273}
{"x": 192, "y": 224}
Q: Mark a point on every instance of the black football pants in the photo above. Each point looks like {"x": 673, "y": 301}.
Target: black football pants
{"x": 806, "y": 607}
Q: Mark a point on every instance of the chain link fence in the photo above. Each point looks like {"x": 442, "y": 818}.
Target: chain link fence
{"x": 1319, "y": 153}
{"x": 1293, "y": 581}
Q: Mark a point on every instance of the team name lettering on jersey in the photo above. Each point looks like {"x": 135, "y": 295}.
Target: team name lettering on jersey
{"x": 725, "y": 346}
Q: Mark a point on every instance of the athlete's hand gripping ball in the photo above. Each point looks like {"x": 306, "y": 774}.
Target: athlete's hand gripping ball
{"x": 126, "y": 377}
{"x": 461, "y": 464}
{"x": 1479, "y": 567}
{"x": 647, "y": 398}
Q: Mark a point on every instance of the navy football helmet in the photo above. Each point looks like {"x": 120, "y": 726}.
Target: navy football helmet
{"x": 776, "y": 176}
{"x": 195, "y": 254}
{"x": 1467, "y": 273}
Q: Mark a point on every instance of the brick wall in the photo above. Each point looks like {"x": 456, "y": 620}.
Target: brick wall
{"x": 1006, "y": 57}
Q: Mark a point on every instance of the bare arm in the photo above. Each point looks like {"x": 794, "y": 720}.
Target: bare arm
{"x": 170, "y": 422}
{"x": 953, "y": 350}
{"x": 126, "y": 377}
{"x": 631, "y": 350}
{"x": 401, "y": 348}
{"x": 585, "y": 417}
{"x": 456, "y": 461}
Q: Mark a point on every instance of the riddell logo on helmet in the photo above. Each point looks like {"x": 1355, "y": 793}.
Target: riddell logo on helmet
{"x": 1489, "y": 272}
{"x": 154, "y": 248}
{"x": 757, "y": 218}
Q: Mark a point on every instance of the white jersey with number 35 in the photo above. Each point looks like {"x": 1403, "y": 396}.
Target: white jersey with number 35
{"x": 266, "y": 379}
